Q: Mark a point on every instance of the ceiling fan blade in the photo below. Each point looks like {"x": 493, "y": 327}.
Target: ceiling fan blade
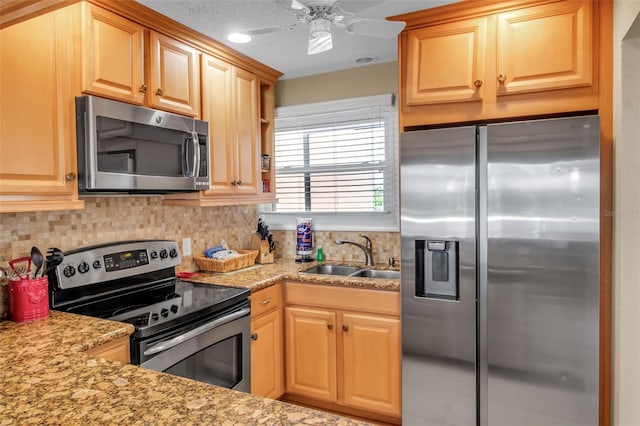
{"x": 319, "y": 44}
{"x": 272, "y": 29}
{"x": 293, "y": 5}
{"x": 374, "y": 28}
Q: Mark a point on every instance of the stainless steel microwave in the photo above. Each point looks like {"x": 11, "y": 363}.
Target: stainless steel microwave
{"x": 125, "y": 148}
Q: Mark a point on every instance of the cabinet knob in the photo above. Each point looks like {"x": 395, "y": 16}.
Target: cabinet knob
{"x": 477, "y": 83}
{"x": 234, "y": 182}
{"x": 345, "y": 327}
{"x": 71, "y": 176}
{"x": 159, "y": 92}
{"x": 143, "y": 88}
{"x": 265, "y": 301}
{"x": 330, "y": 326}
{"x": 502, "y": 78}
{"x": 254, "y": 336}
{"x": 239, "y": 183}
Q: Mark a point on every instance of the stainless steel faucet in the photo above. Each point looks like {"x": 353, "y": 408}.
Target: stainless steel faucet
{"x": 367, "y": 248}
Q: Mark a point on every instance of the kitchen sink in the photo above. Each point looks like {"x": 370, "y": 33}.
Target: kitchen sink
{"x": 332, "y": 270}
{"x": 376, "y": 273}
{"x": 351, "y": 271}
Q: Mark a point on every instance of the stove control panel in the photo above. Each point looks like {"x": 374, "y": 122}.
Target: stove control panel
{"x": 97, "y": 264}
{"x": 152, "y": 314}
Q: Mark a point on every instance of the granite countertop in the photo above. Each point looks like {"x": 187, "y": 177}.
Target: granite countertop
{"x": 47, "y": 379}
{"x": 260, "y": 276}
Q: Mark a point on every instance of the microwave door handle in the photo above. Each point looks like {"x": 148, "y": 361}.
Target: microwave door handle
{"x": 196, "y": 154}
{"x": 168, "y": 344}
{"x": 185, "y": 164}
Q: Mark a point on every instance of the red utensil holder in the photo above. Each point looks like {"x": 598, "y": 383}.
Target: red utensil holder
{"x": 29, "y": 299}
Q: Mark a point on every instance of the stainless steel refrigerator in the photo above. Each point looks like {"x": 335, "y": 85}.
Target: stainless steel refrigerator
{"x": 500, "y": 274}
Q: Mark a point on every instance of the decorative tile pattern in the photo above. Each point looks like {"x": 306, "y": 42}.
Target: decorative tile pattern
{"x": 385, "y": 245}
{"x": 107, "y": 219}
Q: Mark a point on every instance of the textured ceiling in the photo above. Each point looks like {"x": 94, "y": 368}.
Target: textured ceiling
{"x": 286, "y": 50}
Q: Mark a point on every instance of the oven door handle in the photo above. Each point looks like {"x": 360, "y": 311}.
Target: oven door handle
{"x": 168, "y": 344}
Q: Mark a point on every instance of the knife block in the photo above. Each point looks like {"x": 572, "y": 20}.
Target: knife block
{"x": 263, "y": 249}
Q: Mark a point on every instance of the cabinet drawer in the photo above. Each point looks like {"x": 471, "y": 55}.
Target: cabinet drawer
{"x": 265, "y": 300}
{"x": 116, "y": 350}
{"x": 343, "y": 298}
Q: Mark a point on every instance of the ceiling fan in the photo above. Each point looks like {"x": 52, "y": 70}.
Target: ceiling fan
{"x": 321, "y": 17}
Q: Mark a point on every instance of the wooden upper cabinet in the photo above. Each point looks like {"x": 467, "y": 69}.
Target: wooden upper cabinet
{"x": 113, "y": 64}
{"x": 247, "y": 120}
{"x": 486, "y": 60}
{"x": 113, "y": 48}
{"x": 174, "y": 75}
{"x": 446, "y": 62}
{"x": 545, "y": 47}
{"x": 37, "y": 114}
{"x": 217, "y": 110}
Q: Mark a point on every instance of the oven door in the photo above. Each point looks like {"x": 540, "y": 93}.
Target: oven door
{"x": 215, "y": 352}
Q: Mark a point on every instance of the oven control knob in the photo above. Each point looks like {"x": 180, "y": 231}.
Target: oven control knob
{"x": 83, "y": 267}
{"x": 69, "y": 271}
{"x": 97, "y": 264}
{"x": 164, "y": 312}
{"x": 154, "y": 254}
{"x": 174, "y": 308}
{"x": 173, "y": 253}
{"x": 163, "y": 254}
{"x": 155, "y": 316}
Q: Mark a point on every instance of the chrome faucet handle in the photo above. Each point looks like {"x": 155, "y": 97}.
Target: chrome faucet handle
{"x": 369, "y": 245}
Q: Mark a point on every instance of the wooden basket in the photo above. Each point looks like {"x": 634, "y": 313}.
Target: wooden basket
{"x": 244, "y": 259}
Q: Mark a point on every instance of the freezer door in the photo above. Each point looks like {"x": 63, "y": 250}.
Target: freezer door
{"x": 542, "y": 267}
{"x": 438, "y": 203}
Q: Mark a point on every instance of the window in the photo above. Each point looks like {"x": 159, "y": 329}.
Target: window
{"x": 336, "y": 162}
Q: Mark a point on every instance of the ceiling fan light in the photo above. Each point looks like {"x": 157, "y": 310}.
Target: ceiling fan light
{"x": 239, "y": 38}
{"x": 319, "y": 44}
{"x": 319, "y": 28}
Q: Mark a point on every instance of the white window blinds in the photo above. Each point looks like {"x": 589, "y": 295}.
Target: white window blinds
{"x": 337, "y": 157}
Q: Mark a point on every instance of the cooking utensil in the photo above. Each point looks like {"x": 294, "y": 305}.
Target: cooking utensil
{"x": 23, "y": 273}
{"x": 54, "y": 258}
{"x": 37, "y": 260}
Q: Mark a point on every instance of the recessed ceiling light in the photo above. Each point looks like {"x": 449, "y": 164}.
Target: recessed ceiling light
{"x": 366, "y": 60}
{"x": 239, "y": 38}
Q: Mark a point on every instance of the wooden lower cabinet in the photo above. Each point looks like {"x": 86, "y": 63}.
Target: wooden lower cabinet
{"x": 267, "y": 378}
{"x": 116, "y": 350}
{"x": 311, "y": 353}
{"x": 371, "y": 362}
{"x": 345, "y": 360}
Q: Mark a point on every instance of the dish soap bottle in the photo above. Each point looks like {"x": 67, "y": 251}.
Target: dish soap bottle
{"x": 319, "y": 254}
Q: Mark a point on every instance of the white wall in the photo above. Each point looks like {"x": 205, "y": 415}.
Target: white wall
{"x": 626, "y": 284}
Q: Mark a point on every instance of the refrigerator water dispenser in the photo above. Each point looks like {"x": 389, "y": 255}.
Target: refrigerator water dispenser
{"x": 437, "y": 267}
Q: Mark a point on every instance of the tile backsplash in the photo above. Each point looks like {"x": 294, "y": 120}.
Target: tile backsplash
{"x": 108, "y": 219}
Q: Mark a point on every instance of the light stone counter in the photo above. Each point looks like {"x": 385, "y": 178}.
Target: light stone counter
{"x": 260, "y": 276}
{"x": 46, "y": 379}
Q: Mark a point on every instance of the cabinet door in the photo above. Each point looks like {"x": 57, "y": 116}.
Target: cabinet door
{"x": 113, "y": 56}
{"x": 371, "y": 357}
{"x": 217, "y": 110}
{"x": 310, "y": 357}
{"x": 266, "y": 355}
{"x": 174, "y": 75}
{"x": 37, "y": 114}
{"x": 445, "y": 63}
{"x": 247, "y": 118}
{"x": 545, "y": 47}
